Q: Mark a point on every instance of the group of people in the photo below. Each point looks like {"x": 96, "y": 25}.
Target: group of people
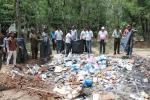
{"x": 13, "y": 49}
{"x": 10, "y": 46}
{"x": 123, "y": 38}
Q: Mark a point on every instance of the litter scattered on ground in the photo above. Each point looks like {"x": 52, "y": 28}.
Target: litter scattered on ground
{"x": 81, "y": 77}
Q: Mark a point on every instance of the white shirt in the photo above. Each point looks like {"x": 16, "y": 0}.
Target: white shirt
{"x": 102, "y": 35}
{"x": 59, "y": 35}
{"x": 89, "y": 35}
{"x": 83, "y": 35}
{"x": 116, "y": 34}
{"x": 74, "y": 34}
{"x": 68, "y": 38}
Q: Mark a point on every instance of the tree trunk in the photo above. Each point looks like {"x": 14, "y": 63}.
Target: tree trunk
{"x": 18, "y": 22}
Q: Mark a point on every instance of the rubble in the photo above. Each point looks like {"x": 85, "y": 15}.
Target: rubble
{"x": 105, "y": 77}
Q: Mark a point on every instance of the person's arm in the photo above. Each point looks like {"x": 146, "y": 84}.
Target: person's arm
{"x": 113, "y": 35}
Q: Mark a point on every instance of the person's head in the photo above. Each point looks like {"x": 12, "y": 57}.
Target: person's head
{"x": 73, "y": 27}
{"x": 21, "y": 35}
{"x": 11, "y": 34}
{"x": 58, "y": 28}
{"x": 103, "y": 28}
{"x": 84, "y": 29}
{"x": 117, "y": 28}
{"x": 129, "y": 27}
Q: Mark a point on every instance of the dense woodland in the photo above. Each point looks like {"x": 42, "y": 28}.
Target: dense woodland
{"x": 81, "y": 13}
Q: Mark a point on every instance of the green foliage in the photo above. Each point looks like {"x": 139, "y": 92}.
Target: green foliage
{"x": 82, "y": 13}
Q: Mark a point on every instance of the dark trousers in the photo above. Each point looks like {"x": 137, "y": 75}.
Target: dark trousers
{"x": 53, "y": 43}
{"x": 59, "y": 46}
{"x": 116, "y": 45}
{"x": 34, "y": 52}
{"x": 84, "y": 44}
{"x": 68, "y": 48}
{"x": 102, "y": 46}
{"x": 1, "y": 61}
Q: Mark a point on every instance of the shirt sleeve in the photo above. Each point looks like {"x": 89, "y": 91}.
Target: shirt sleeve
{"x": 113, "y": 35}
{"x": 91, "y": 33}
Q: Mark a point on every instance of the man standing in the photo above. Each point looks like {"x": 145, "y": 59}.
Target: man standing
{"x": 68, "y": 43}
{"x": 117, "y": 36}
{"x": 34, "y": 44}
{"x": 102, "y": 36}
{"x": 59, "y": 38}
{"x": 12, "y": 46}
{"x": 1, "y": 49}
{"x": 52, "y": 36}
{"x": 74, "y": 34}
{"x": 89, "y": 36}
{"x": 83, "y": 39}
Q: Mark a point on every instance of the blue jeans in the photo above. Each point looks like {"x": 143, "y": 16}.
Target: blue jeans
{"x": 89, "y": 46}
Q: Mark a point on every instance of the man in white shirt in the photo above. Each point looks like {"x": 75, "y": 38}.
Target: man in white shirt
{"x": 102, "y": 37}
{"x": 59, "y": 38}
{"x": 83, "y": 39}
{"x": 68, "y": 43}
{"x": 74, "y": 34}
{"x": 88, "y": 38}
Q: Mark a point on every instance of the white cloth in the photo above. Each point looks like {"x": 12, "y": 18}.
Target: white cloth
{"x": 59, "y": 35}
{"x": 83, "y": 35}
{"x": 74, "y": 35}
{"x": 14, "y": 54}
{"x": 68, "y": 38}
{"x": 102, "y": 35}
{"x": 89, "y": 35}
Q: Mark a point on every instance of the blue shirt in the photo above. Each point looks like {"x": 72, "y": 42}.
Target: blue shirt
{"x": 52, "y": 35}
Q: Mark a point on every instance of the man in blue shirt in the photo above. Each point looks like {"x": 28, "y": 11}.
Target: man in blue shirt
{"x": 52, "y": 36}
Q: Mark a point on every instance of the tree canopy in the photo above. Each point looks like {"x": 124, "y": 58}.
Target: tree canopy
{"x": 81, "y": 13}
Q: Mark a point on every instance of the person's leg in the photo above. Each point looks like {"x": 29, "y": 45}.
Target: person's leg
{"x": 53, "y": 43}
{"x": 32, "y": 50}
{"x": 36, "y": 52}
{"x": 1, "y": 59}
{"x": 9, "y": 57}
{"x": 103, "y": 42}
{"x": 118, "y": 46}
{"x": 84, "y": 44}
{"x": 67, "y": 48}
{"x": 90, "y": 46}
{"x": 115, "y": 45}
{"x": 100, "y": 47}
{"x": 60, "y": 45}
{"x": 87, "y": 46}
{"x": 14, "y": 57}
{"x": 57, "y": 46}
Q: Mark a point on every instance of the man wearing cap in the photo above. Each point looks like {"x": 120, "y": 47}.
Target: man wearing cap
{"x": 102, "y": 37}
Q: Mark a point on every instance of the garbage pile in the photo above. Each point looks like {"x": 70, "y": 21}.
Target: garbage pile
{"x": 86, "y": 77}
